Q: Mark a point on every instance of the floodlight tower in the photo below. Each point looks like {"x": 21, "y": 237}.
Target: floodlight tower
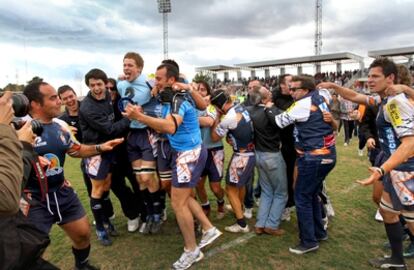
{"x": 164, "y": 7}
{"x": 318, "y": 27}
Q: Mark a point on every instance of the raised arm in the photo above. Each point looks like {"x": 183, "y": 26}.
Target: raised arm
{"x": 345, "y": 93}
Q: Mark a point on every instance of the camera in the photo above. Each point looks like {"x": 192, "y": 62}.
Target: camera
{"x": 37, "y": 127}
{"x": 21, "y": 106}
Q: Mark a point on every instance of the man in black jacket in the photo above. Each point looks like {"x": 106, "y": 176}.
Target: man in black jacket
{"x": 97, "y": 124}
{"x": 283, "y": 100}
{"x": 269, "y": 162}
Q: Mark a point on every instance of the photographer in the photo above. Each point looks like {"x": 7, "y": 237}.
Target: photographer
{"x": 21, "y": 244}
{"x": 11, "y": 172}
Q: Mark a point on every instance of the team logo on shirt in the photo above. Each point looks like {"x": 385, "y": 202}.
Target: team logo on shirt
{"x": 53, "y": 167}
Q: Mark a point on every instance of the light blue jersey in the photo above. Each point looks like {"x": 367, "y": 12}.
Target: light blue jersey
{"x": 138, "y": 91}
{"x": 206, "y": 131}
{"x": 188, "y": 134}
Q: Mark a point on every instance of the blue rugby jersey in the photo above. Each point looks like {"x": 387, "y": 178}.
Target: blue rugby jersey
{"x": 311, "y": 131}
{"x": 239, "y": 132}
{"x": 395, "y": 120}
{"x": 138, "y": 91}
{"x": 55, "y": 141}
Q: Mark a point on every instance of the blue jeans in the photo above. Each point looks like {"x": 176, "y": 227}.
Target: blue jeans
{"x": 312, "y": 170}
{"x": 273, "y": 183}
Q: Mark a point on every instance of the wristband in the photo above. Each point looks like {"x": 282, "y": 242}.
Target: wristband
{"x": 382, "y": 170}
{"x": 379, "y": 170}
{"x": 98, "y": 148}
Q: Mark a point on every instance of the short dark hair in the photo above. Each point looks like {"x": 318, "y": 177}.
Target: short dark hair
{"x": 32, "y": 91}
{"x": 306, "y": 82}
{"x": 136, "y": 57}
{"x": 65, "y": 88}
{"x": 172, "y": 71}
{"x": 282, "y": 78}
{"x": 388, "y": 67}
{"x": 96, "y": 74}
{"x": 206, "y": 85}
{"x": 219, "y": 98}
{"x": 171, "y": 62}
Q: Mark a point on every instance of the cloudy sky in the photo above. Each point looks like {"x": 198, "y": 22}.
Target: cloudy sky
{"x": 60, "y": 40}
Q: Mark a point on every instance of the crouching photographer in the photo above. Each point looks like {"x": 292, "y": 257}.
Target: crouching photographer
{"x": 21, "y": 243}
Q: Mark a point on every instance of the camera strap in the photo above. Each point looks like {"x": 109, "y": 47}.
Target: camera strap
{"x": 41, "y": 177}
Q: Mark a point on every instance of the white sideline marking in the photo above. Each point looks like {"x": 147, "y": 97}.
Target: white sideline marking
{"x": 233, "y": 243}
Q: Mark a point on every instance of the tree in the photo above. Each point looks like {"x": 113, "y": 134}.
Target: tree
{"x": 14, "y": 87}
{"x": 206, "y": 76}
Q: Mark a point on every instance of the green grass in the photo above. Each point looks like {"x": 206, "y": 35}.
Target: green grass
{"x": 354, "y": 236}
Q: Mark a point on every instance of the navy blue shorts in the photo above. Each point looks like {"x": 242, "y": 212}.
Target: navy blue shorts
{"x": 98, "y": 167}
{"x": 142, "y": 144}
{"x": 60, "y": 207}
{"x": 188, "y": 166}
{"x": 240, "y": 169}
{"x": 214, "y": 164}
{"x": 165, "y": 158}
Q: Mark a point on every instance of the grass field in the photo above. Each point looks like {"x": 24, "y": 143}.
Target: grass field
{"x": 354, "y": 235}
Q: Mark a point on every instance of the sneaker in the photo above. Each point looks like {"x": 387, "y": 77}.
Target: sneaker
{"x": 111, "y": 230}
{"x": 386, "y": 263}
{"x": 286, "y": 214}
{"x": 155, "y": 227}
{"x": 345, "y": 144}
{"x": 103, "y": 237}
{"x": 409, "y": 251}
{"x": 360, "y": 152}
{"x": 236, "y": 228}
{"x": 299, "y": 249}
{"x": 112, "y": 217}
{"x": 143, "y": 227}
{"x": 330, "y": 212}
{"x": 248, "y": 213}
{"x": 187, "y": 259}
{"x": 209, "y": 236}
{"x": 133, "y": 224}
{"x": 86, "y": 266}
{"x": 325, "y": 222}
{"x": 257, "y": 201}
{"x": 378, "y": 216}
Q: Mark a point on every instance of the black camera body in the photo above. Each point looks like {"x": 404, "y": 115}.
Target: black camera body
{"x": 37, "y": 127}
{"x": 21, "y": 106}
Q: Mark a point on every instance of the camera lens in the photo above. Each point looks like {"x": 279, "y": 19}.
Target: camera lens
{"x": 20, "y": 105}
{"x": 37, "y": 127}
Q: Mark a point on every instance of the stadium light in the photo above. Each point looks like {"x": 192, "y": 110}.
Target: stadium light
{"x": 164, "y": 7}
